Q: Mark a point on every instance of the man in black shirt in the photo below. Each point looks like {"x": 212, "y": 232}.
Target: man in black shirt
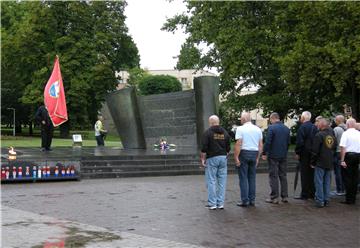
{"x": 214, "y": 151}
{"x": 47, "y": 128}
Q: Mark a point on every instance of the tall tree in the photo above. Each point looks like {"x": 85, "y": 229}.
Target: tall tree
{"x": 91, "y": 39}
{"x": 189, "y": 57}
{"x": 298, "y": 55}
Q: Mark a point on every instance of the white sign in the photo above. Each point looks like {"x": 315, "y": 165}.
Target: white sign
{"x": 77, "y": 138}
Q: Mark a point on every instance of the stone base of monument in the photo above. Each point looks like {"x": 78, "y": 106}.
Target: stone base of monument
{"x": 89, "y": 163}
{"x": 155, "y": 165}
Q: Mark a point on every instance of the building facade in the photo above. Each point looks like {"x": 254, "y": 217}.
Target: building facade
{"x": 185, "y": 77}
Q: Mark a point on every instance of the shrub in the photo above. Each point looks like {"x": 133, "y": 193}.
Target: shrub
{"x": 158, "y": 84}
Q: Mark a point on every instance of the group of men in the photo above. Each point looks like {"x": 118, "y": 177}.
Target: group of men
{"x": 319, "y": 149}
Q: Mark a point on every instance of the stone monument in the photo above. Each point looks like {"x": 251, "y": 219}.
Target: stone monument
{"x": 180, "y": 117}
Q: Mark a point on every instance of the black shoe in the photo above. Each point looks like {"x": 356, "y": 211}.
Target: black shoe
{"x": 240, "y": 204}
{"x": 210, "y": 207}
{"x": 301, "y": 198}
{"x": 326, "y": 203}
{"x": 48, "y": 149}
{"x": 252, "y": 204}
{"x": 347, "y": 202}
{"x": 42, "y": 149}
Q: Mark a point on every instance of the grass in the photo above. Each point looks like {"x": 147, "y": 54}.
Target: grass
{"x": 35, "y": 141}
{"x": 56, "y": 142}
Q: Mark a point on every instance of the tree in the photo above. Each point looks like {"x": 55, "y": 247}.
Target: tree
{"x": 299, "y": 55}
{"x": 91, "y": 39}
{"x": 159, "y": 84}
{"x": 189, "y": 57}
{"x": 136, "y": 74}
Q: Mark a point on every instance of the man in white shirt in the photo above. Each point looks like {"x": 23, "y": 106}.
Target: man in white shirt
{"x": 350, "y": 157}
{"x": 247, "y": 152}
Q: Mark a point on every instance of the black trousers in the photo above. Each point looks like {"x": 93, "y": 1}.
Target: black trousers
{"x": 307, "y": 177}
{"x": 46, "y": 136}
{"x": 277, "y": 172}
{"x": 100, "y": 140}
{"x": 351, "y": 175}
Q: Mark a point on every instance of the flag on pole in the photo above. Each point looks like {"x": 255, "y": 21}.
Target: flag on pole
{"x": 54, "y": 96}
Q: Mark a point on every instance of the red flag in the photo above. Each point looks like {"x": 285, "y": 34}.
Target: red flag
{"x": 54, "y": 96}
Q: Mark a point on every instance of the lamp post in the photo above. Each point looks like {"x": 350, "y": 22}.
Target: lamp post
{"x": 13, "y": 109}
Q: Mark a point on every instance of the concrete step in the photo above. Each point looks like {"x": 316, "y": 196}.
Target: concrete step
{"x": 154, "y": 173}
{"x": 140, "y": 162}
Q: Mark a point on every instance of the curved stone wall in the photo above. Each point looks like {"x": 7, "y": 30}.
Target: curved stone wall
{"x": 180, "y": 117}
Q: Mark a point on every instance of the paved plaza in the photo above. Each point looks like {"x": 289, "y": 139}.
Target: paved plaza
{"x": 166, "y": 212}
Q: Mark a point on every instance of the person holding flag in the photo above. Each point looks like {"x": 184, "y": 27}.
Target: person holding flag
{"x": 54, "y": 113}
{"x": 47, "y": 128}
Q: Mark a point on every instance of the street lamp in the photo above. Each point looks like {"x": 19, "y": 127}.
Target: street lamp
{"x": 13, "y": 120}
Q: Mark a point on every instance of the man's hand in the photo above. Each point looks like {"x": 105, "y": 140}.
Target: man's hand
{"x": 312, "y": 166}
{"x": 43, "y": 122}
{"x": 257, "y": 161}
{"x": 297, "y": 157}
{"x": 237, "y": 162}
{"x": 264, "y": 157}
{"x": 343, "y": 164}
{"x": 203, "y": 163}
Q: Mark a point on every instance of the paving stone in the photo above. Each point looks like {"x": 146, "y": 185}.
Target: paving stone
{"x": 172, "y": 209}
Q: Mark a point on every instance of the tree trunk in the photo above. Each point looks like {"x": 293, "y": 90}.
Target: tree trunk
{"x": 18, "y": 128}
{"x": 30, "y": 128}
{"x": 355, "y": 102}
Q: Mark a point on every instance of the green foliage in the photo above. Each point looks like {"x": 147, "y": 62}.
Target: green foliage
{"x": 299, "y": 55}
{"x": 158, "y": 84}
{"x": 136, "y": 74}
{"x": 92, "y": 42}
{"x": 189, "y": 57}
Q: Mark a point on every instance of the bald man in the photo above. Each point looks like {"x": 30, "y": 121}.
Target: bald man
{"x": 350, "y": 158}
{"x": 214, "y": 151}
{"x": 357, "y": 126}
{"x": 247, "y": 152}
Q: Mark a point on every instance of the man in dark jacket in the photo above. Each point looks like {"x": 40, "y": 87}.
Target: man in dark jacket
{"x": 214, "y": 151}
{"x": 47, "y": 128}
{"x": 304, "y": 139}
{"x": 275, "y": 151}
{"x": 322, "y": 159}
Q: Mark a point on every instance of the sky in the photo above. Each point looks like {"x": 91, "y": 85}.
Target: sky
{"x": 157, "y": 48}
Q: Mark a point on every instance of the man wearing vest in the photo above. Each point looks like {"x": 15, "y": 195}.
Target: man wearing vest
{"x": 322, "y": 160}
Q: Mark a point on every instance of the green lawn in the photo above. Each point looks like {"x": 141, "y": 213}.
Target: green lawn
{"x": 21, "y": 141}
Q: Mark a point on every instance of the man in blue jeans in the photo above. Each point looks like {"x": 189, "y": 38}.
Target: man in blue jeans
{"x": 322, "y": 160}
{"x": 214, "y": 151}
{"x": 247, "y": 152}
